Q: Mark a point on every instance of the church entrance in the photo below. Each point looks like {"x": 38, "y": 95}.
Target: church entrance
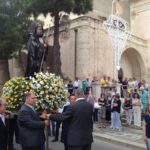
{"x": 132, "y": 64}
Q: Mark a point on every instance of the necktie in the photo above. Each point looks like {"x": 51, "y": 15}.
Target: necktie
{"x": 33, "y": 109}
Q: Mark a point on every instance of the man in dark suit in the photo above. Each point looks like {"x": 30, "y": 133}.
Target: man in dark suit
{"x": 31, "y": 128}
{"x": 80, "y": 123}
{"x": 65, "y": 124}
{"x": 3, "y": 126}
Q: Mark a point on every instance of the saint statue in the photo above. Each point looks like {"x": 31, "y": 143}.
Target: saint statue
{"x": 37, "y": 50}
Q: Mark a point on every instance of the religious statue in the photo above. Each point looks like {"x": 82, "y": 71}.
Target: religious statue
{"x": 37, "y": 50}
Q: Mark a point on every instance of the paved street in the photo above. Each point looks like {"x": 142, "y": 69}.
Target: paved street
{"x": 126, "y": 135}
{"x": 97, "y": 145}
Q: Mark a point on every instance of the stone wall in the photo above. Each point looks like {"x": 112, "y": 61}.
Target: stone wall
{"x": 140, "y": 18}
{"x": 95, "y": 55}
{"x": 103, "y": 8}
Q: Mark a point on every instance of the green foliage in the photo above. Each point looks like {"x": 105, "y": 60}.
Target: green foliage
{"x": 55, "y": 6}
{"x": 13, "y": 27}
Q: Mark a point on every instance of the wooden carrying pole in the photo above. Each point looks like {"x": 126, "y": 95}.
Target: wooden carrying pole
{"x": 46, "y": 132}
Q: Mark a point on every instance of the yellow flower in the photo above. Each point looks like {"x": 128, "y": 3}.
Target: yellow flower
{"x": 16, "y": 87}
{"x": 23, "y": 86}
{"x": 30, "y": 83}
{"x": 46, "y": 92}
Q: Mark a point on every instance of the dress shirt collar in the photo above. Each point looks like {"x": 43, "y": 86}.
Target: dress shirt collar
{"x": 2, "y": 116}
{"x": 30, "y": 106}
{"x": 79, "y": 99}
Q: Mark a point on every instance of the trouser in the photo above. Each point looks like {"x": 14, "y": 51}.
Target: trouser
{"x": 137, "y": 117}
{"x": 51, "y": 130}
{"x": 95, "y": 115}
{"x": 124, "y": 93}
{"x": 43, "y": 148}
{"x": 129, "y": 116}
{"x": 102, "y": 115}
{"x": 148, "y": 144}
{"x": 13, "y": 130}
{"x": 65, "y": 145}
{"x": 116, "y": 120}
{"x": 58, "y": 123}
{"x": 3, "y": 147}
{"x": 83, "y": 147}
{"x": 32, "y": 148}
{"x": 70, "y": 91}
{"x": 112, "y": 121}
{"x": 144, "y": 109}
{"x": 108, "y": 114}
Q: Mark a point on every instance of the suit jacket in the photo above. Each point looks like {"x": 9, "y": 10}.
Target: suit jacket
{"x": 65, "y": 126}
{"x": 80, "y": 123}
{"x": 3, "y": 135}
{"x": 31, "y": 128}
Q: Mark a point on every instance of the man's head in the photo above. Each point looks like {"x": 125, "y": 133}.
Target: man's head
{"x": 76, "y": 78}
{"x": 86, "y": 94}
{"x": 39, "y": 31}
{"x": 72, "y": 99}
{"x": 30, "y": 99}
{"x": 117, "y": 96}
{"x": 36, "y": 29}
{"x": 80, "y": 93}
{"x": 142, "y": 88}
{"x": 2, "y": 105}
{"x": 104, "y": 77}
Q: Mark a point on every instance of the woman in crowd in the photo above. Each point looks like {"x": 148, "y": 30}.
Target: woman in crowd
{"x": 108, "y": 107}
{"x": 128, "y": 109}
{"x": 112, "y": 100}
{"x": 95, "y": 112}
{"x": 136, "y": 109}
{"x": 146, "y": 128}
{"x": 102, "y": 111}
{"x": 116, "y": 108}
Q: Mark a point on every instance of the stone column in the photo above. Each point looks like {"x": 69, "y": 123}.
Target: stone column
{"x": 96, "y": 90}
{"x": 85, "y": 50}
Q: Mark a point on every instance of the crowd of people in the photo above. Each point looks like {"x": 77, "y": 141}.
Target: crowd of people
{"x": 131, "y": 101}
{"x": 76, "y": 118}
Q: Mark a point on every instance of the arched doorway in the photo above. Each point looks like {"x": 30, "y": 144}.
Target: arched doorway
{"x": 132, "y": 64}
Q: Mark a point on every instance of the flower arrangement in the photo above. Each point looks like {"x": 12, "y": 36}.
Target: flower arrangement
{"x": 49, "y": 89}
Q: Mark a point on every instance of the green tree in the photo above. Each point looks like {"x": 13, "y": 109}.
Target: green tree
{"x": 13, "y": 26}
{"x": 55, "y": 8}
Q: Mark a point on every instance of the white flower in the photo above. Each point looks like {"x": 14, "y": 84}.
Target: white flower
{"x": 41, "y": 82}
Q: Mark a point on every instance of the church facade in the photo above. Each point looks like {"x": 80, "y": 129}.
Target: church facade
{"x": 86, "y": 49}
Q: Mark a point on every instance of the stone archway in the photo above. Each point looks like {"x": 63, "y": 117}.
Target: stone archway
{"x": 132, "y": 64}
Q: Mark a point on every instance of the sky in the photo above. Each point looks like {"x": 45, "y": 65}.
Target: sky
{"x": 48, "y": 20}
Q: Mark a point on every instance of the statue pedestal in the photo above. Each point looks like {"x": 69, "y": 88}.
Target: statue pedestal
{"x": 96, "y": 90}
